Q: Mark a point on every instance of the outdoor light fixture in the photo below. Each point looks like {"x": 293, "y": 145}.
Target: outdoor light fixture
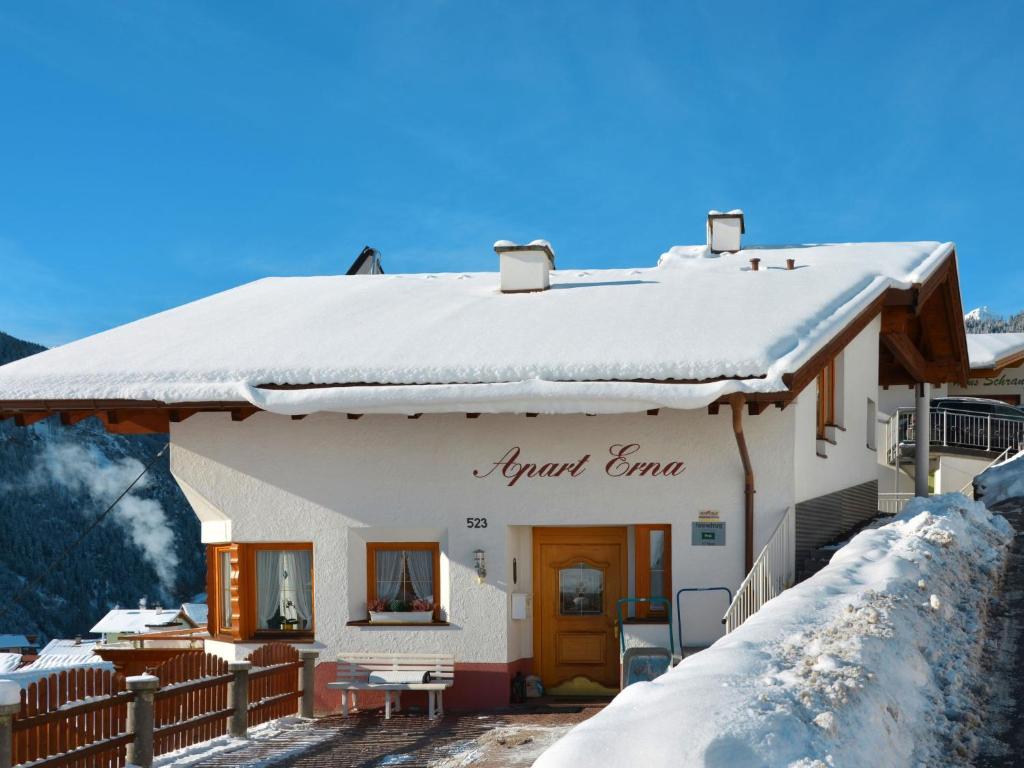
{"x": 481, "y": 565}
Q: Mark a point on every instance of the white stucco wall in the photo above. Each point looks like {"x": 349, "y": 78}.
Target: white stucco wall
{"x": 340, "y": 482}
{"x": 956, "y": 472}
{"x": 850, "y": 461}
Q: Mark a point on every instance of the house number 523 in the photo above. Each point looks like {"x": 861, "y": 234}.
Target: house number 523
{"x": 476, "y": 522}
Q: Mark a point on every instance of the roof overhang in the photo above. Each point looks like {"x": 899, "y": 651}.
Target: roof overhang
{"x": 922, "y": 340}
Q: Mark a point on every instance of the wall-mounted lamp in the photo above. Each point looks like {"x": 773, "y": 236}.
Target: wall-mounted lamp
{"x": 481, "y": 565}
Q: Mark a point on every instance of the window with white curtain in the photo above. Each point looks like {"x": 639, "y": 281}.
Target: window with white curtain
{"x": 403, "y": 573}
{"x": 284, "y": 585}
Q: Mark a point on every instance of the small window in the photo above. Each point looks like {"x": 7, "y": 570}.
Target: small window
{"x": 224, "y": 587}
{"x": 284, "y": 589}
{"x": 826, "y": 399}
{"x": 581, "y": 590}
{"x": 403, "y": 573}
{"x": 653, "y": 567}
{"x": 872, "y": 425}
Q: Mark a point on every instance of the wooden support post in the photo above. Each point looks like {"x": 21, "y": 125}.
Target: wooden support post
{"x": 10, "y": 705}
{"x": 307, "y": 680}
{"x": 140, "y": 719}
{"x": 922, "y": 439}
{"x": 238, "y": 699}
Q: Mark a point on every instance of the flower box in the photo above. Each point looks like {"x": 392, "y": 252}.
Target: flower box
{"x": 401, "y": 617}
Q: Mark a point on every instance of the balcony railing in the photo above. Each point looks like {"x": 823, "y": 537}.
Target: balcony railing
{"x": 952, "y": 429}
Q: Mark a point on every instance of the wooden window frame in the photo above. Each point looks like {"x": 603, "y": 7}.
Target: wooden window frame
{"x": 826, "y": 406}
{"x": 244, "y": 595}
{"x": 373, "y": 547}
{"x": 642, "y": 564}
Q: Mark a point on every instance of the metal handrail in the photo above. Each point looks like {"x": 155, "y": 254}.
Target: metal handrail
{"x": 997, "y": 460}
{"x": 772, "y": 573}
{"x": 950, "y": 427}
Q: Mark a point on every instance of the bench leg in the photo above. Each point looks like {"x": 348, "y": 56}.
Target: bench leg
{"x": 440, "y": 703}
{"x": 398, "y": 701}
{"x": 344, "y": 703}
{"x": 387, "y": 705}
{"x": 430, "y": 705}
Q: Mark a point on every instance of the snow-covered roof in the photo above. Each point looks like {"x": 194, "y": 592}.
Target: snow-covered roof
{"x": 987, "y": 350}
{"x": 197, "y": 612}
{"x": 139, "y": 620}
{"x": 14, "y": 641}
{"x": 9, "y": 661}
{"x": 598, "y": 341}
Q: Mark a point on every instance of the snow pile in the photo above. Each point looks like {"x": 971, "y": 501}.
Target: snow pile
{"x": 875, "y": 660}
{"x": 1001, "y": 482}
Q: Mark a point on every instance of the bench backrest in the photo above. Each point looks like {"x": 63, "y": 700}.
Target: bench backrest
{"x": 356, "y": 667}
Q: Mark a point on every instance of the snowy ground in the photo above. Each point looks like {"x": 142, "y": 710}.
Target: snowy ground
{"x": 876, "y": 660}
{"x": 289, "y": 737}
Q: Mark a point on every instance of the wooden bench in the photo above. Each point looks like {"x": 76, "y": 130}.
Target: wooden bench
{"x": 393, "y": 673}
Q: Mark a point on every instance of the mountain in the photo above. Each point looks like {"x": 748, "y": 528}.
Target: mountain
{"x": 981, "y": 314}
{"x": 56, "y": 480}
{"x": 984, "y": 320}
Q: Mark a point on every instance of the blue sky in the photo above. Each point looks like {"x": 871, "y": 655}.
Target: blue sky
{"x": 153, "y": 153}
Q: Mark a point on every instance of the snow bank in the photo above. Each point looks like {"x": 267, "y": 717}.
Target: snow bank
{"x": 1002, "y": 482}
{"x": 873, "y": 661}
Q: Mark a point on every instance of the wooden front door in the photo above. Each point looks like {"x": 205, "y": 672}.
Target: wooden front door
{"x": 579, "y": 574}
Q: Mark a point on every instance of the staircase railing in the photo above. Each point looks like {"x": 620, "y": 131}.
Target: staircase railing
{"x": 997, "y": 460}
{"x": 773, "y": 571}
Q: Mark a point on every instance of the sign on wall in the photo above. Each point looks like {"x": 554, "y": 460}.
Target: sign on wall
{"x": 708, "y": 535}
{"x": 624, "y": 461}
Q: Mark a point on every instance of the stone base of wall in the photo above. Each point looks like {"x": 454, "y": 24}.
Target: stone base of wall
{"x": 828, "y": 518}
{"x": 477, "y": 687}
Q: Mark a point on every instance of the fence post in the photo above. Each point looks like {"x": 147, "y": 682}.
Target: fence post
{"x": 307, "y": 680}
{"x": 238, "y": 698}
{"x": 140, "y": 719}
{"x": 10, "y": 705}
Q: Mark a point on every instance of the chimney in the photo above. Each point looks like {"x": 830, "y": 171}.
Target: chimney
{"x": 725, "y": 230}
{"x": 525, "y": 268}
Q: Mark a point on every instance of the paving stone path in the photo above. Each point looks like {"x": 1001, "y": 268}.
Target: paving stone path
{"x": 500, "y": 740}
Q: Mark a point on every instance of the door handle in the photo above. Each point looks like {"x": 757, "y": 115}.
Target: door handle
{"x": 615, "y": 630}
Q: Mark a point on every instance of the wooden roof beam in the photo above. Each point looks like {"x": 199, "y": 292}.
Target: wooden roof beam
{"x": 907, "y": 355}
{"x": 69, "y": 419}
{"x": 26, "y": 419}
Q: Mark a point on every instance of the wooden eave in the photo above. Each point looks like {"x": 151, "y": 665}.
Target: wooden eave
{"x": 922, "y": 340}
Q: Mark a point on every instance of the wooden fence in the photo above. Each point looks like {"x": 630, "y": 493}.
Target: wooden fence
{"x": 192, "y": 703}
{"x": 273, "y": 683}
{"x": 80, "y": 718}
{"x": 76, "y": 718}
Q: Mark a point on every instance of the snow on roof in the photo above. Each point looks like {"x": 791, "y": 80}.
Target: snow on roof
{"x": 985, "y": 350}
{"x": 14, "y": 641}
{"x": 598, "y": 341}
{"x": 197, "y": 612}
{"x": 9, "y": 661}
{"x": 137, "y": 620}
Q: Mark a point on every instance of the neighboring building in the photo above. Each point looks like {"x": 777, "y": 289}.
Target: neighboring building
{"x": 996, "y": 374}
{"x": 123, "y": 623}
{"x": 196, "y": 612}
{"x": 16, "y": 644}
{"x": 997, "y": 367}
{"x": 517, "y": 449}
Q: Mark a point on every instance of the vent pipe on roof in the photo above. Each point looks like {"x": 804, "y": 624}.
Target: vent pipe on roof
{"x": 725, "y": 231}
{"x": 525, "y": 268}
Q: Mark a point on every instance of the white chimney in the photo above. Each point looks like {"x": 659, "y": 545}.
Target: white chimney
{"x": 525, "y": 268}
{"x": 725, "y": 231}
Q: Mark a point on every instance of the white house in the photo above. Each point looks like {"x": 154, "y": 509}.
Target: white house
{"x": 122, "y": 623}
{"x": 515, "y": 450}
